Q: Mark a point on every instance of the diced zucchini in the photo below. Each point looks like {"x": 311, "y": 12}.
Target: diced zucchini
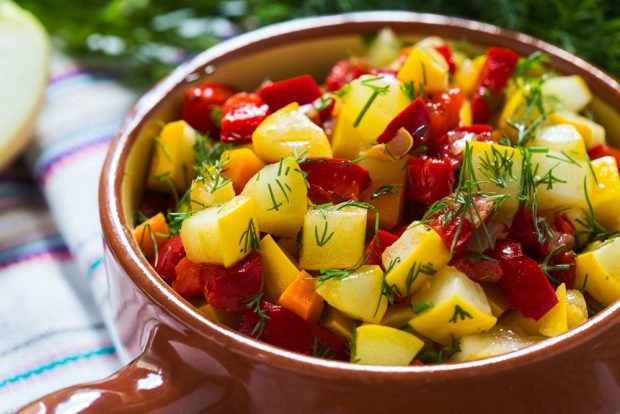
{"x": 333, "y": 237}
{"x": 288, "y": 131}
{"x": 425, "y": 67}
{"x": 554, "y": 322}
{"x": 576, "y": 308}
{"x": 605, "y": 192}
{"x": 561, "y": 138}
{"x": 414, "y": 258}
{"x": 467, "y": 74}
{"x": 382, "y": 345}
{"x": 173, "y": 158}
{"x": 221, "y": 234}
{"x": 359, "y": 295}
{"x": 593, "y": 134}
{"x": 363, "y": 118}
{"x": 281, "y": 197}
{"x": 338, "y": 323}
{"x": 460, "y": 307}
{"x": 598, "y": 271}
{"x": 206, "y": 192}
{"x": 498, "y": 171}
{"x": 384, "y": 49}
{"x": 382, "y": 167}
{"x": 497, "y": 341}
{"x": 279, "y": 270}
{"x": 567, "y": 92}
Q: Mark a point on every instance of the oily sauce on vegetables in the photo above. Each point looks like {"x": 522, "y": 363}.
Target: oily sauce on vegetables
{"x": 421, "y": 206}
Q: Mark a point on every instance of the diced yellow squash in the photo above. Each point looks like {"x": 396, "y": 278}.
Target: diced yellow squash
{"x": 567, "y": 92}
{"x": 384, "y": 49}
{"x": 289, "y": 131}
{"x": 333, "y": 237}
{"x": 382, "y": 345}
{"x": 498, "y": 171}
{"x": 460, "y": 307}
{"x": 554, "y": 322}
{"x": 240, "y": 165}
{"x": 593, "y": 134}
{"x": 414, "y": 258}
{"x": 513, "y": 320}
{"x": 425, "y": 67}
{"x": 605, "y": 192}
{"x": 205, "y": 192}
{"x": 338, "y": 323}
{"x": 465, "y": 115}
{"x": 397, "y": 316}
{"x": 279, "y": 270}
{"x": 389, "y": 200}
{"x": 576, "y": 308}
{"x": 173, "y": 158}
{"x": 357, "y": 127}
{"x": 561, "y": 138}
{"x": 564, "y": 180}
{"x": 382, "y": 167}
{"x": 597, "y": 271}
{"x": 358, "y": 295}
{"x": 281, "y": 197}
{"x": 229, "y": 319}
{"x": 498, "y": 302}
{"x": 467, "y": 74}
{"x": 430, "y": 42}
{"x": 497, "y": 341}
{"x": 223, "y": 234}
{"x": 514, "y": 112}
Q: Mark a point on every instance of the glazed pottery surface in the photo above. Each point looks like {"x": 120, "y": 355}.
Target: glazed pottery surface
{"x": 184, "y": 362}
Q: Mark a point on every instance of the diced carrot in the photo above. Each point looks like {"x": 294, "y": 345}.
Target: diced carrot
{"x": 301, "y": 298}
{"x": 242, "y": 165}
{"x": 155, "y": 229}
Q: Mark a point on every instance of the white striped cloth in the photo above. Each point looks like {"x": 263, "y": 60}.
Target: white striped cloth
{"x": 51, "y": 332}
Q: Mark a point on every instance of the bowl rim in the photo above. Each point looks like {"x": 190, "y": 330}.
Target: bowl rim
{"x": 124, "y": 249}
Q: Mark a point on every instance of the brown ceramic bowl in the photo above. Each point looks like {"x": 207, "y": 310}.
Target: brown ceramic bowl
{"x": 184, "y": 362}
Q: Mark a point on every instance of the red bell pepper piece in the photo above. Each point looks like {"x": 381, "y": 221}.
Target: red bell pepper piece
{"x": 345, "y": 71}
{"x": 287, "y": 330}
{"x": 302, "y": 89}
{"x": 494, "y": 76}
{"x": 443, "y": 110}
{"x": 201, "y": 102}
{"x": 446, "y": 52}
{"x": 189, "y": 278}
{"x": 170, "y": 254}
{"x": 524, "y": 232}
{"x": 603, "y": 150}
{"x": 334, "y": 179}
{"x": 457, "y": 231}
{"x": 241, "y": 115}
{"x": 414, "y": 118}
{"x": 377, "y": 245}
{"x": 564, "y": 276}
{"x": 430, "y": 179}
{"x": 228, "y": 288}
{"x": 452, "y": 144}
{"x": 482, "y": 270}
{"x": 523, "y": 283}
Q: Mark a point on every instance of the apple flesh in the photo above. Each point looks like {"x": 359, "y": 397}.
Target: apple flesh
{"x": 24, "y": 64}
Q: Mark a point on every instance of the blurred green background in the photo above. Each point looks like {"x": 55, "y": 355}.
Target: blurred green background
{"x": 144, "y": 39}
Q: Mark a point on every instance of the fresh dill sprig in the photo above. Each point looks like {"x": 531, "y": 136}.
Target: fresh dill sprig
{"x": 376, "y": 92}
{"x": 319, "y": 350}
{"x": 254, "y": 304}
{"x": 546, "y": 267}
{"x": 459, "y": 314}
{"x": 386, "y": 189}
{"x": 324, "y": 238}
{"x": 421, "y": 307}
{"x": 443, "y": 355}
{"x": 249, "y": 238}
{"x": 591, "y": 228}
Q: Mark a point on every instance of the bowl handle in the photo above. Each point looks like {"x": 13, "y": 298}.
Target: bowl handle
{"x": 160, "y": 380}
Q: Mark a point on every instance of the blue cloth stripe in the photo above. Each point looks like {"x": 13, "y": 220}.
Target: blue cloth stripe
{"x": 93, "y": 266}
{"x": 48, "y": 243}
{"x": 50, "y": 366}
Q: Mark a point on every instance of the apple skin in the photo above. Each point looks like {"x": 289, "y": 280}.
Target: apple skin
{"x": 24, "y": 69}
